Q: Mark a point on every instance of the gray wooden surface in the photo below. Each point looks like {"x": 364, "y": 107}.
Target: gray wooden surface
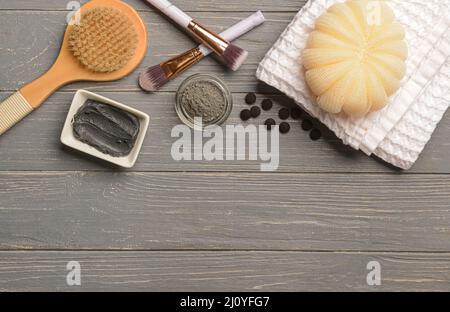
{"x": 166, "y": 225}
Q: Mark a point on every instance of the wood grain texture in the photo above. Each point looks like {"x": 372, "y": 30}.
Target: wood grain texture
{"x": 34, "y": 143}
{"x": 222, "y": 271}
{"x": 186, "y": 5}
{"x": 43, "y": 30}
{"x": 224, "y": 211}
{"x": 41, "y": 34}
{"x": 205, "y": 226}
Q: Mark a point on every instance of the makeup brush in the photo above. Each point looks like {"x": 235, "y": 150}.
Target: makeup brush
{"x": 154, "y": 77}
{"x": 232, "y": 54}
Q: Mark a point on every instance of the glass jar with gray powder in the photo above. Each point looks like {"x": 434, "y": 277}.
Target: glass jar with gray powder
{"x": 206, "y": 97}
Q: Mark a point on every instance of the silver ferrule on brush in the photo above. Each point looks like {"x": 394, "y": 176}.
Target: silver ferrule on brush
{"x": 212, "y": 40}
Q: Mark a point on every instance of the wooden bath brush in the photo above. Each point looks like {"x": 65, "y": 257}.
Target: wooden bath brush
{"x": 106, "y": 42}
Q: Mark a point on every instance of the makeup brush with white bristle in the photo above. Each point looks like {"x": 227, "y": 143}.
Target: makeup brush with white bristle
{"x": 233, "y": 56}
{"x": 154, "y": 77}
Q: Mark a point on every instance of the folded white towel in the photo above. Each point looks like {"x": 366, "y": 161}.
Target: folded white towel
{"x": 400, "y": 131}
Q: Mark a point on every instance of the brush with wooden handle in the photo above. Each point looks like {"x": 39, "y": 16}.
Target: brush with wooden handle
{"x": 233, "y": 56}
{"x": 154, "y": 77}
{"x": 109, "y": 43}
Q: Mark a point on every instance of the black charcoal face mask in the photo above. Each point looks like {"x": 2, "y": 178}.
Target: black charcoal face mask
{"x": 108, "y": 129}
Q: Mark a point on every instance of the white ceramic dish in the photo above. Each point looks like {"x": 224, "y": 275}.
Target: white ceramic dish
{"x": 68, "y": 138}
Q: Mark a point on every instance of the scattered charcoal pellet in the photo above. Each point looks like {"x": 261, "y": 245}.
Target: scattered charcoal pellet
{"x": 284, "y": 113}
{"x": 250, "y": 99}
{"x": 255, "y": 111}
{"x": 315, "y": 134}
{"x": 296, "y": 113}
{"x": 245, "y": 115}
{"x": 307, "y": 125}
{"x": 270, "y": 123}
{"x": 267, "y": 104}
{"x": 284, "y": 127}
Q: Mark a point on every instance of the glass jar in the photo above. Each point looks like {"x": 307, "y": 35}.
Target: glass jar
{"x": 189, "y": 120}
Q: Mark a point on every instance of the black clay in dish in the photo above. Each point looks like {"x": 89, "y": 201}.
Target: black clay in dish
{"x": 108, "y": 129}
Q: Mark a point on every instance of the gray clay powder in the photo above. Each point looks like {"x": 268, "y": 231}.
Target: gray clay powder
{"x": 203, "y": 99}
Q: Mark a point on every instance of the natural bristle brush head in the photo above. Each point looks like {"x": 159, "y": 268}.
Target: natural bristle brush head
{"x": 234, "y": 56}
{"x": 104, "y": 40}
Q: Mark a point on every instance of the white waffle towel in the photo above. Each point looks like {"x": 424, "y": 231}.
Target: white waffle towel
{"x": 399, "y": 132}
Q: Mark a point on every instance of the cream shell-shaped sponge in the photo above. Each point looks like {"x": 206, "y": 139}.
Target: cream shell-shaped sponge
{"x": 355, "y": 57}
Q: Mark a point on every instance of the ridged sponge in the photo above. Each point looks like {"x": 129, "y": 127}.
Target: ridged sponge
{"x": 355, "y": 57}
{"x": 104, "y": 40}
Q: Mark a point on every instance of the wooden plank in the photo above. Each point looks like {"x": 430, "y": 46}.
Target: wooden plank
{"x": 224, "y": 211}
{"x": 222, "y": 271}
{"x": 43, "y": 31}
{"x": 34, "y": 143}
{"x": 40, "y": 36}
{"x": 188, "y": 6}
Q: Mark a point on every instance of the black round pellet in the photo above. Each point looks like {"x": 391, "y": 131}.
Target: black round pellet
{"x": 284, "y": 127}
{"x": 315, "y": 134}
{"x": 255, "y": 111}
{"x": 270, "y": 123}
{"x": 245, "y": 115}
{"x": 296, "y": 113}
{"x": 307, "y": 125}
{"x": 250, "y": 99}
{"x": 284, "y": 113}
{"x": 267, "y": 104}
